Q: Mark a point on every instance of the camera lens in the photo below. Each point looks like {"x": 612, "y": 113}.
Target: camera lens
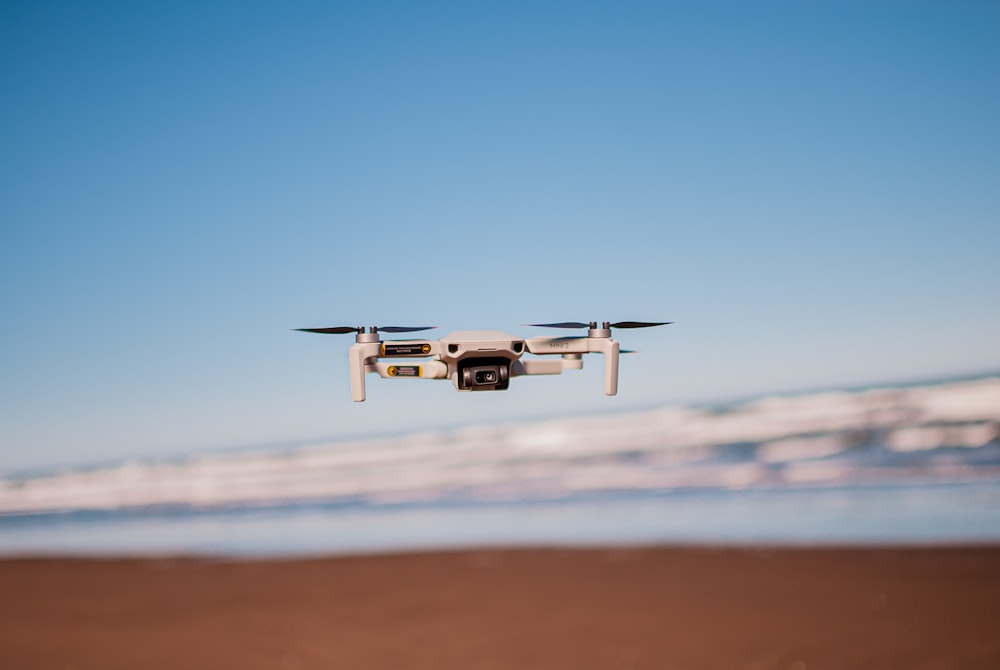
{"x": 486, "y": 377}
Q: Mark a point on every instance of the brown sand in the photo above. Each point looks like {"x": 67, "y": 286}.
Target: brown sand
{"x": 644, "y": 608}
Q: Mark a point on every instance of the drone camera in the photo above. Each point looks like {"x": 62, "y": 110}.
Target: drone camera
{"x": 483, "y": 377}
{"x": 484, "y": 374}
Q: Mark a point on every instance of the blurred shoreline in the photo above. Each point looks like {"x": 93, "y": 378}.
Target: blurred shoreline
{"x": 894, "y": 515}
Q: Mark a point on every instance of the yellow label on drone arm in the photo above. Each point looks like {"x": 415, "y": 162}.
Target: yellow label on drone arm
{"x": 405, "y": 348}
{"x": 404, "y": 371}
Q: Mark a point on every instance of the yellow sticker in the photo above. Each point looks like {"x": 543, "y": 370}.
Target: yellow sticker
{"x": 405, "y": 348}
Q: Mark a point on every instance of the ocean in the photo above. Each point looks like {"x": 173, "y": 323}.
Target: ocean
{"x": 904, "y": 465}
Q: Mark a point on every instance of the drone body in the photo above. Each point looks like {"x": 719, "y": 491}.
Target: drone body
{"x": 478, "y": 360}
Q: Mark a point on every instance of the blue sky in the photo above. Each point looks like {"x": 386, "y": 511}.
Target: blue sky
{"x": 811, "y": 190}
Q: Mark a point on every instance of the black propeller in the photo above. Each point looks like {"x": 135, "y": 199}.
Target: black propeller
{"x": 593, "y": 324}
{"x": 342, "y": 330}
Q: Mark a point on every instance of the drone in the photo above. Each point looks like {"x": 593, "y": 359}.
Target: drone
{"x": 479, "y": 360}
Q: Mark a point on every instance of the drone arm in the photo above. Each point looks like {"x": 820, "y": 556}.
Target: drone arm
{"x": 425, "y": 370}
{"x": 581, "y": 345}
{"x": 537, "y": 366}
{"x": 409, "y": 349}
{"x": 359, "y": 354}
{"x": 558, "y": 345}
{"x": 610, "y": 349}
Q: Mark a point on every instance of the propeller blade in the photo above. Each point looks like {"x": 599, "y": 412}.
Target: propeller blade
{"x": 619, "y": 324}
{"x": 404, "y": 329}
{"x": 562, "y": 324}
{"x": 639, "y": 324}
{"x": 627, "y": 351}
{"x": 343, "y": 330}
{"x": 339, "y": 330}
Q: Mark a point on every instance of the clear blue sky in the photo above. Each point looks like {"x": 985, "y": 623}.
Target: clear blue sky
{"x": 811, "y": 190}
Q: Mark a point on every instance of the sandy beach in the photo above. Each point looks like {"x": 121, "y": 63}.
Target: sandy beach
{"x": 758, "y": 609}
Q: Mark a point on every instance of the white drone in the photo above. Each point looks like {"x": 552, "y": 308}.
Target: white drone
{"x": 479, "y": 360}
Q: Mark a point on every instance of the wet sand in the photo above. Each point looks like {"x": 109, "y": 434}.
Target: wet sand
{"x": 793, "y": 609}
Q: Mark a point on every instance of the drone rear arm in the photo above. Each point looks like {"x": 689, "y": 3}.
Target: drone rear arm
{"x": 537, "y": 366}
{"x": 427, "y": 370}
{"x": 364, "y": 357}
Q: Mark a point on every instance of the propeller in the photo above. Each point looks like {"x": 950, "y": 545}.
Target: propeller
{"x": 343, "y": 330}
{"x": 593, "y": 324}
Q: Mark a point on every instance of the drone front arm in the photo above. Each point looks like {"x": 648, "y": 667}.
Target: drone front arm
{"x": 359, "y": 355}
{"x": 547, "y": 346}
{"x": 610, "y": 349}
